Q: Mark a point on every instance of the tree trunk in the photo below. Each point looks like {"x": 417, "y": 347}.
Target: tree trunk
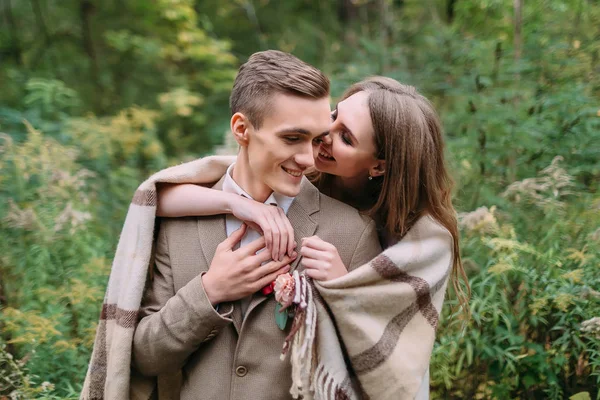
{"x": 39, "y": 17}
{"x": 383, "y": 35}
{"x": 450, "y": 4}
{"x": 497, "y": 59}
{"x": 518, "y": 43}
{"x": 347, "y": 11}
{"x": 518, "y": 40}
{"x": 251, "y": 13}
{"x": 15, "y": 48}
{"x": 86, "y": 9}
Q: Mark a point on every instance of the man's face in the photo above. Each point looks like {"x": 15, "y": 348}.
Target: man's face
{"x": 280, "y": 152}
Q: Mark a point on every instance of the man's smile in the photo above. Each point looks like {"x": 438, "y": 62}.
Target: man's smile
{"x": 293, "y": 172}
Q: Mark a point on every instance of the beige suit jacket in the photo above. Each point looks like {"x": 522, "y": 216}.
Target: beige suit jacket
{"x": 220, "y": 354}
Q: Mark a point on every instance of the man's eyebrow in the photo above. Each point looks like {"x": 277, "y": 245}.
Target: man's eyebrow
{"x": 300, "y": 131}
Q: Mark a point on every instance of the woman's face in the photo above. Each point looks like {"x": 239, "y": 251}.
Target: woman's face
{"x": 349, "y": 149}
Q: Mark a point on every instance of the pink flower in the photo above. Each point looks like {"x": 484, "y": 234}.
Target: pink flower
{"x": 284, "y": 289}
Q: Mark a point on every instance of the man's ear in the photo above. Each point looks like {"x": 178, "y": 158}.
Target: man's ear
{"x": 240, "y": 126}
{"x": 378, "y": 169}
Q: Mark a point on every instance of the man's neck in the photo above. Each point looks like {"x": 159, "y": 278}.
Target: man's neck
{"x": 243, "y": 176}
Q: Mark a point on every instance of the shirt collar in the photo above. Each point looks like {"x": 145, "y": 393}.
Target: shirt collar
{"x": 231, "y": 186}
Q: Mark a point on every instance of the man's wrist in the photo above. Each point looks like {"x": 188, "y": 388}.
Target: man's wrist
{"x": 212, "y": 294}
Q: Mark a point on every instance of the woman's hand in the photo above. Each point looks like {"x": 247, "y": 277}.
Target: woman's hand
{"x": 270, "y": 220}
{"x": 321, "y": 259}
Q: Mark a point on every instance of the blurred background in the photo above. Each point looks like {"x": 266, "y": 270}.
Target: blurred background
{"x": 96, "y": 95}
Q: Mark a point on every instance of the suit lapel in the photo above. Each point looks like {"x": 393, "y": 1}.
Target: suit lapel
{"x": 213, "y": 231}
{"x": 299, "y": 214}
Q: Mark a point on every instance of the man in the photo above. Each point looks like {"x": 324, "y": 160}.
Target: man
{"x": 203, "y": 312}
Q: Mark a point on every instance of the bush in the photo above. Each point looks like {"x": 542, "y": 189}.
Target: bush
{"x": 62, "y": 208}
{"x": 532, "y": 264}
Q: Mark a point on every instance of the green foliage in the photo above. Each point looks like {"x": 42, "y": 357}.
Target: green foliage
{"x": 71, "y": 59}
{"x": 532, "y": 265}
{"x": 59, "y": 204}
{"x": 98, "y": 95}
{"x": 16, "y": 380}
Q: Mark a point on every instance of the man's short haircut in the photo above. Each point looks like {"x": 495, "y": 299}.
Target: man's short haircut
{"x": 267, "y": 73}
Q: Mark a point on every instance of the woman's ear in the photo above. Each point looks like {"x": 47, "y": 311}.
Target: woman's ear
{"x": 378, "y": 169}
{"x": 240, "y": 125}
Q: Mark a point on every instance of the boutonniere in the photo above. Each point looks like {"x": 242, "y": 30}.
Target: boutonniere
{"x": 285, "y": 291}
{"x": 290, "y": 293}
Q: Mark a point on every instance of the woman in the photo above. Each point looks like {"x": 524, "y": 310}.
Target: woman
{"x": 383, "y": 155}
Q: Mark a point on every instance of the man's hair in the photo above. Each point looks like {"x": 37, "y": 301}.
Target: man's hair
{"x": 267, "y": 73}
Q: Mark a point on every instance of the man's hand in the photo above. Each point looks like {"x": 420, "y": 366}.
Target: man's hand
{"x": 233, "y": 275}
{"x": 321, "y": 259}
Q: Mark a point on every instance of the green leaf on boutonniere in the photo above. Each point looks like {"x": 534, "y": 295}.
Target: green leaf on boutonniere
{"x": 281, "y": 317}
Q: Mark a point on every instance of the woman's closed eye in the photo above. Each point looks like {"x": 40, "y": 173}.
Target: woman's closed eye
{"x": 346, "y": 138}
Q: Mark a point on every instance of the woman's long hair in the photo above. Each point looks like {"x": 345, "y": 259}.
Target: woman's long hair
{"x": 408, "y": 136}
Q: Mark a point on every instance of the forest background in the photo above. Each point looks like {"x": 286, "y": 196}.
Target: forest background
{"x": 97, "y": 95}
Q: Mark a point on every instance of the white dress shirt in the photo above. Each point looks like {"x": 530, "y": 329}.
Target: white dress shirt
{"x": 232, "y": 223}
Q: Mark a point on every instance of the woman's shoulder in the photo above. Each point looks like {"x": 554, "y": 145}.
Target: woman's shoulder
{"x": 425, "y": 251}
{"x": 426, "y": 231}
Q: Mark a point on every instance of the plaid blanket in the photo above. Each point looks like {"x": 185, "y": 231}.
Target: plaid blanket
{"x": 381, "y": 317}
{"x": 108, "y": 375}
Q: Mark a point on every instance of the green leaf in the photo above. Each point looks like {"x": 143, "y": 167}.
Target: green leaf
{"x": 281, "y": 317}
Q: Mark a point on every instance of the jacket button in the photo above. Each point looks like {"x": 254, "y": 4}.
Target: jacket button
{"x": 241, "y": 371}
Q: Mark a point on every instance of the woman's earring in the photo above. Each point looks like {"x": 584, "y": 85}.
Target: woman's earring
{"x": 370, "y": 178}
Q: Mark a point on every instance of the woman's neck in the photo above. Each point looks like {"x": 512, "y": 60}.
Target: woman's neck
{"x": 351, "y": 191}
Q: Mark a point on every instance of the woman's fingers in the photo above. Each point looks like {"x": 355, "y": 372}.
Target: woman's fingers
{"x": 316, "y": 274}
{"x": 283, "y": 232}
{"x": 274, "y": 234}
{"x": 267, "y": 231}
{"x": 309, "y": 252}
{"x": 317, "y": 243}
{"x": 291, "y": 244}
{"x": 271, "y": 221}
{"x": 314, "y": 264}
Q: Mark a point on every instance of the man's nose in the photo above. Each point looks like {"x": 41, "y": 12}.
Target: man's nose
{"x": 304, "y": 157}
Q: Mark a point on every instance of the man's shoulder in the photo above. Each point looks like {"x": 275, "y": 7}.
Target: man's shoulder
{"x": 335, "y": 211}
{"x": 188, "y": 228}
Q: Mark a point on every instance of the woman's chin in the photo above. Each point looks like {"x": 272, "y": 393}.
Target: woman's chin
{"x": 324, "y": 165}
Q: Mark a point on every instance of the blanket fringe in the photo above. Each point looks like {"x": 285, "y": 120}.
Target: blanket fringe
{"x": 301, "y": 340}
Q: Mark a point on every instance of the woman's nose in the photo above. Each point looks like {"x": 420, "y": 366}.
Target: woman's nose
{"x": 327, "y": 139}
